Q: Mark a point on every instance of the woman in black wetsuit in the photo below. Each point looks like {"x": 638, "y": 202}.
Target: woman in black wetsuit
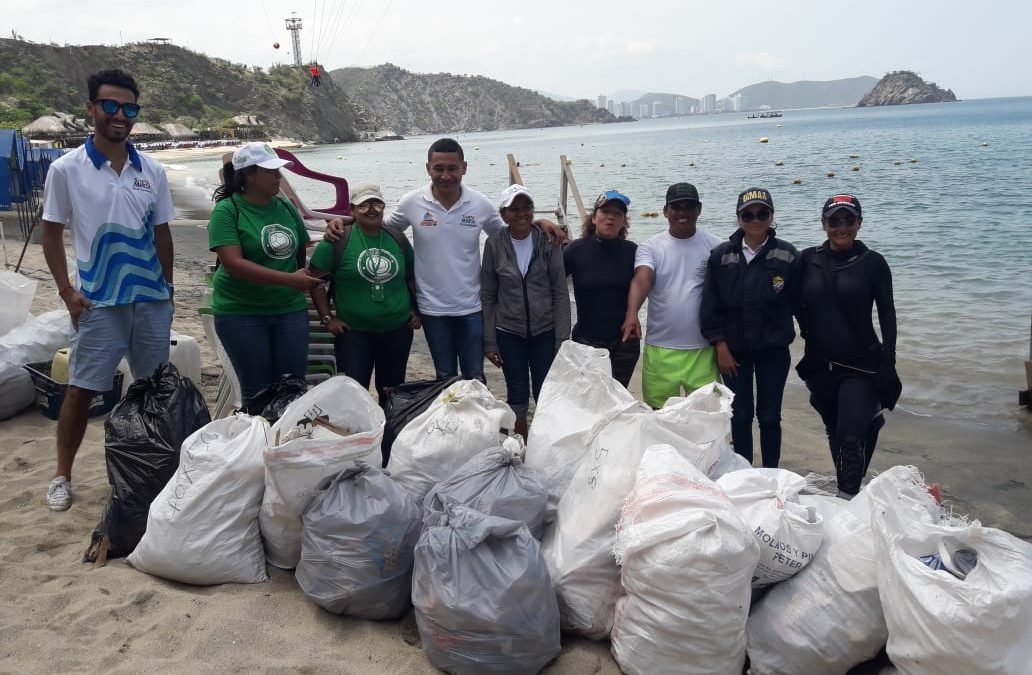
{"x": 601, "y": 263}
{"x": 844, "y": 364}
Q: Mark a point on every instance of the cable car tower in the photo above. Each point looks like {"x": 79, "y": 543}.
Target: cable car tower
{"x": 294, "y": 26}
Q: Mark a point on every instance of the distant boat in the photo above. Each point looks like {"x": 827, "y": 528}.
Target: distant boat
{"x": 389, "y": 137}
{"x": 766, "y": 114}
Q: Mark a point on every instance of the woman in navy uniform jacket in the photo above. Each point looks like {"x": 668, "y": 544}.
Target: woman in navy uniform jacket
{"x": 747, "y": 304}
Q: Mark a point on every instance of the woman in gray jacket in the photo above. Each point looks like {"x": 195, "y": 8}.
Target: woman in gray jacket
{"x": 525, "y": 301}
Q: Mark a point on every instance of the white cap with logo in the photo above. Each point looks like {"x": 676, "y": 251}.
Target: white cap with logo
{"x": 510, "y": 193}
{"x": 257, "y": 154}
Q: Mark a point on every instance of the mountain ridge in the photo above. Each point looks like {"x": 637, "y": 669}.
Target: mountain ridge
{"x": 435, "y": 103}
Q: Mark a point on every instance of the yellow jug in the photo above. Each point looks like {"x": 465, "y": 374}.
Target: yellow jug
{"x": 59, "y": 368}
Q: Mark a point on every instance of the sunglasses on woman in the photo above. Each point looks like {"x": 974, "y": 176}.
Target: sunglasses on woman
{"x": 110, "y": 107}
{"x": 836, "y": 221}
{"x": 749, "y": 216}
{"x": 366, "y": 207}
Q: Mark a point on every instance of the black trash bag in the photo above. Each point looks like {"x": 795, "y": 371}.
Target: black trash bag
{"x": 357, "y": 539}
{"x": 274, "y": 399}
{"x": 482, "y": 594}
{"x": 142, "y": 437}
{"x": 406, "y": 402}
{"x": 496, "y": 482}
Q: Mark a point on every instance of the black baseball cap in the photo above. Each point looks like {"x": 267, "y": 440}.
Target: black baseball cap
{"x": 754, "y": 195}
{"x": 847, "y": 202}
{"x": 681, "y": 192}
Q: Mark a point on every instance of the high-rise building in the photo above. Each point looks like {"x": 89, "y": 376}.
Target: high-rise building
{"x": 643, "y": 110}
{"x": 602, "y": 101}
{"x": 611, "y": 106}
{"x": 626, "y": 109}
{"x": 709, "y": 104}
{"x": 680, "y": 105}
{"x": 736, "y": 102}
{"x": 657, "y": 108}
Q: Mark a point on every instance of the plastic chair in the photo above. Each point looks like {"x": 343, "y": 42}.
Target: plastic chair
{"x": 342, "y": 205}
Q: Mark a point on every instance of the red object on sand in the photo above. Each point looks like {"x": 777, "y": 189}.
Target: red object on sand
{"x": 935, "y": 490}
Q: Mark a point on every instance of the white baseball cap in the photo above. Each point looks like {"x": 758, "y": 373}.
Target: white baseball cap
{"x": 257, "y": 154}
{"x": 510, "y": 193}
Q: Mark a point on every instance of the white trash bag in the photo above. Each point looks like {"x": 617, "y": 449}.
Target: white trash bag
{"x": 202, "y": 528}
{"x": 686, "y": 559}
{"x": 16, "y": 389}
{"x": 317, "y": 436}
{"x": 37, "y": 339}
{"x": 357, "y": 542}
{"x": 957, "y": 596}
{"x": 789, "y": 534}
{"x": 578, "y": 398}
{"x": 16, "y": 294}
{"x": 579, "y": 545}
{"x": 828, "y": 617}
{"x": 461, "y": 422}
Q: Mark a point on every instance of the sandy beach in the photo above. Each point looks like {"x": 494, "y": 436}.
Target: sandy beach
{"x": 60, "y": 615}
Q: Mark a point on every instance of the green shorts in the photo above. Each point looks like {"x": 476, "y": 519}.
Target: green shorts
{"x": 665, "y": 372}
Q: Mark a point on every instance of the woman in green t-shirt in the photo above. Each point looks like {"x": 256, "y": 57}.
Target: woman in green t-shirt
{"x": 374, "y": 295}
{"x": 258, "y": 298}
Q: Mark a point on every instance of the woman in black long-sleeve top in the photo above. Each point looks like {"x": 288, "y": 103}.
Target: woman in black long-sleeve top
{"x": 845, "y": 364}
{"x": 747, "y": 303}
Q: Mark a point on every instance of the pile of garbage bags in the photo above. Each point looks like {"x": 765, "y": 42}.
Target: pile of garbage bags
{"x": 614, "y": 522}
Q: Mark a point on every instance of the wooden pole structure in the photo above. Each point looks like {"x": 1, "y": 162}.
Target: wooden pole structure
{"x": 514, "y": 171}
{"x": 1025, "y": 397}
{"x": 568, "y": 183}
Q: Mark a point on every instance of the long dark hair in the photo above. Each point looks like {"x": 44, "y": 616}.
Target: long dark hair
{"x": 233, "y": 181}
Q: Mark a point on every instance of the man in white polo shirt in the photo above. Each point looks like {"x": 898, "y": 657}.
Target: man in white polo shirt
{"x": 446, "y": 219}
{"x": 669, "y": 269}
{"x": 116, "y": 203}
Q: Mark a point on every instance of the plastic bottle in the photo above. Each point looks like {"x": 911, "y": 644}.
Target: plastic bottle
{"x": 59, "y": 366}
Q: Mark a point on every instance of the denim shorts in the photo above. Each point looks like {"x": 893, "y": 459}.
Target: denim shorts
{"x": 139, "y": 331}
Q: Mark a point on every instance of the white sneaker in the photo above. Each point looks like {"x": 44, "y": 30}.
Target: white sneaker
{"x": 59, "y": 494}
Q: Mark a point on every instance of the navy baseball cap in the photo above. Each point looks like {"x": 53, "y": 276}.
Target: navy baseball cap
{"x": 847, "y": 202}
{"x": 754, "y": 195}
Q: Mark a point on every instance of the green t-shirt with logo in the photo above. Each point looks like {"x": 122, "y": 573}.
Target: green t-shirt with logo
{"x": 368, "y": 262}
{"x": 268, "y": 235}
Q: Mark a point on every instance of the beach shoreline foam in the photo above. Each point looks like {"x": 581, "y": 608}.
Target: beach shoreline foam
{"x": 60, "y": 615}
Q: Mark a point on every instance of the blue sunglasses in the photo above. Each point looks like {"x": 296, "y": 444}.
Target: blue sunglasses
{"x": 111, "y": 106}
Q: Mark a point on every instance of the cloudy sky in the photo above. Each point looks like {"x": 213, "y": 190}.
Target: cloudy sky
{"x": 584, "y": 47}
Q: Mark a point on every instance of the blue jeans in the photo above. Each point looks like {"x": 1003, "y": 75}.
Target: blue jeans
{"x": 262, "y": 348}
{"x": 520, "y": 355}
{"x": 359, "y": 352}
{"x": 771, "y": 369}
{"x": 452, "y": 338}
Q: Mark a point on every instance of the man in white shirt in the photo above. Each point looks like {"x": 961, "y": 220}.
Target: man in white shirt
{"x": 669, "y": 269}
{"x": 116, "y": 203}
{"x": 446, "y": 219}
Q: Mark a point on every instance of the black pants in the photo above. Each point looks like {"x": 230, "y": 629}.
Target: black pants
{"x": 360, "y": 352}
{"x": 622, "y": 355}
{"x": 847, "y": 402}
{"x": 770, "y": 369}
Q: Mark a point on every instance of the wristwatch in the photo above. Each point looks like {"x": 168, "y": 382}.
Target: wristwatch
{"x": 326, "y": 320}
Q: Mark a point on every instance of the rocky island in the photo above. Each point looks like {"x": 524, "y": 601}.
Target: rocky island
{"x": 902, "y": 87}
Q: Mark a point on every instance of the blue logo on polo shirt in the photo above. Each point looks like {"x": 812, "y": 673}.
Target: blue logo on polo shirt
{"x": 428, "y": 220}
{"x": 468, "y": 221}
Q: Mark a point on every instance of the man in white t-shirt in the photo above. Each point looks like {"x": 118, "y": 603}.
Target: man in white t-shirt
{"x": 116, "y": 203}
{"x": 446, "y": 219}
{"x": 669, "y": 269}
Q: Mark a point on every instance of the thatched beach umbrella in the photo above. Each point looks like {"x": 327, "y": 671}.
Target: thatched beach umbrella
{"x": 179, "y": 131}
{"x": 56, "y": 125}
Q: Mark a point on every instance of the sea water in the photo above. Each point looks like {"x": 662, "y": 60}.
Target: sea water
{"x": 945, "y": 190}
